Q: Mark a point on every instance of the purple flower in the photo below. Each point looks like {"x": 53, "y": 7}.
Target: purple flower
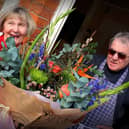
{"x": 91, "y": 102}
{"x": 42, "y": 66}
{"x": 32, "y": 56}
{"x": 81, "y": 91}
{"x": 41, "y": 51}
{"x": 97, "y": 85}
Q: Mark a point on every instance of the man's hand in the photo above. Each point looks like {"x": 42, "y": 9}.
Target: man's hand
{"x": 103, "y": 127}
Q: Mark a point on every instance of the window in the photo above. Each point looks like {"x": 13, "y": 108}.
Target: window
{"x": 63, "y": 6}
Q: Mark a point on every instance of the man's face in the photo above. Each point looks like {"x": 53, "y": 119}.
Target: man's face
{"x": 118, "y": 55}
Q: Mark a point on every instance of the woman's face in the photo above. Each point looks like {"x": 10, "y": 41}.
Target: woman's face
{"x": 118, "y": 55}
{"x": 15, "y": 26}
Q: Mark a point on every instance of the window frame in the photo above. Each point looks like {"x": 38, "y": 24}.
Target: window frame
{"x": 63, "y": 6}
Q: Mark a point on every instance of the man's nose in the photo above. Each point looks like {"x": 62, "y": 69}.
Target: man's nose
{"x": 115, "y": 56}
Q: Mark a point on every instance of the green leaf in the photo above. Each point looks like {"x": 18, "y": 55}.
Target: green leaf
{"x": 67, "y": 48}
{"x": 13, "y": 52}
{"x": 81, "y": 104}
{"x": 10, "y": 42}
{"x": 14, "y": 81}
{"x": 70, "y": 99}
{"x": 64, "y": 104}
{"x": 76, "y": 46}
{"x": 3, "y": 46}
{"x": 75, "y": 74}
{"x": 83, "y": 80}
{"x": 6, "y": 73}
{"x": 78, "y": 94}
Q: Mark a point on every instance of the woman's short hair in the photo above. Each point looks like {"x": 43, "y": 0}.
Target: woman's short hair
{"x": 24, "y": 14}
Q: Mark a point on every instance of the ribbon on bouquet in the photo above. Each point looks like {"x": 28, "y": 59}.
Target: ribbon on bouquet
{"x": 6, "y": 121}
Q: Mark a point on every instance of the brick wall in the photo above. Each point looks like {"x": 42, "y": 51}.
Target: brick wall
{"x": 41, "y": 11}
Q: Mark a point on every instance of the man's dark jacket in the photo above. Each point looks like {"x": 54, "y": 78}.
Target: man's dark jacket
{"x": 121, "y": 114}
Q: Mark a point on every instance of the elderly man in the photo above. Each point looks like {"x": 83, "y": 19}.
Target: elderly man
{"x": 114, "y": 113}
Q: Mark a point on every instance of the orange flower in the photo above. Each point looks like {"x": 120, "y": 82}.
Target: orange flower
{"x": 65, "y": 90}
{"x": 83, "y": 74}
{"x": 54, "y": 68}
{"x": 78, "y": 63}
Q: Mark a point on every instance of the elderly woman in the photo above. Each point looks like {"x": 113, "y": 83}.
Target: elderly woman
{"x": 16, "y": 23}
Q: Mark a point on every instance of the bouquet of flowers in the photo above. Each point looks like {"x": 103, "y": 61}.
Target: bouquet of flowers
{"x": 64, "y": 82}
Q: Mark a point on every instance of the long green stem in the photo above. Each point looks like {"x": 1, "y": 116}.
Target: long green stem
{"x": 96, "y": 104}
{"x": 115, "y": 90}
{"x": 108, "y": 93}
{"x": 22, "y": 85}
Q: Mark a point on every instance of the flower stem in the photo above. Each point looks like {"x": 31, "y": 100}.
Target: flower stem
{"x": 115, "y": 90}
{"x": 96, "y": 104}
{"x": 22, "y": 85}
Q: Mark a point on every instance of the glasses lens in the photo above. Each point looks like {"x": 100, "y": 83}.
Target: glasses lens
{"x": 120, "y": 55}
{"x": 111, "y": 52}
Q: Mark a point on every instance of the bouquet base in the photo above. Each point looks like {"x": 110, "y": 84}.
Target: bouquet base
{"x": 35, "y": 113}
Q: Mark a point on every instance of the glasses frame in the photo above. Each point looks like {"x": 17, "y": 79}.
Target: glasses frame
{"x": 121, "y": 55}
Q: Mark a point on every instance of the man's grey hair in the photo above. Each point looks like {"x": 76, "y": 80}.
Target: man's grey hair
{"x": 122, "y": 36}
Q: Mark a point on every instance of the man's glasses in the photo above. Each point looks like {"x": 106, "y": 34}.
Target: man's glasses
{"x": 120, "y": 54}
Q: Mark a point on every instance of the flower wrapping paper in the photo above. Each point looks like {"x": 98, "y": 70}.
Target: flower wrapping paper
{"x": 35, "y": 111}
